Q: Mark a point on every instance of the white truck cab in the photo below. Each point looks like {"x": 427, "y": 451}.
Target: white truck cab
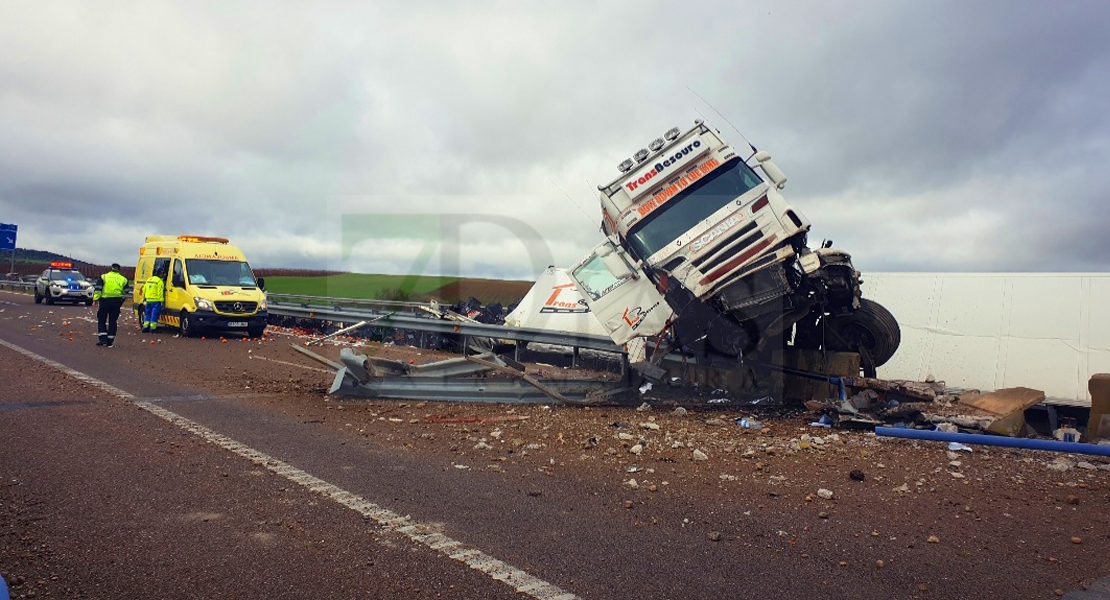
{"x": 691, "y": 224}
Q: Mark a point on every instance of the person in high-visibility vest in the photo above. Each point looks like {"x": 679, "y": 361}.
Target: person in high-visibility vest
{"x": 154, "y": 294}
{"x": 108, "y": 295}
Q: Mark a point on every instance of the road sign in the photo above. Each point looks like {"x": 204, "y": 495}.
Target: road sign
{"x": 7, "y": 236}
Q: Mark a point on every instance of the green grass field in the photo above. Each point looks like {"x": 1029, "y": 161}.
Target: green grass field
{"x": 357, "y": 285}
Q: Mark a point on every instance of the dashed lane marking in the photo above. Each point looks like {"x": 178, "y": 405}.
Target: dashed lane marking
{"x": 425, "y": 535}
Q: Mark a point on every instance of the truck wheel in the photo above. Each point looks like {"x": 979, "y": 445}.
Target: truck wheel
{"x": 188, "y": 329}
{"x": 870, "y": 328}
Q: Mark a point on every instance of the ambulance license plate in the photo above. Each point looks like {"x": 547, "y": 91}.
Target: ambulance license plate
{"x": 237, "y": 324}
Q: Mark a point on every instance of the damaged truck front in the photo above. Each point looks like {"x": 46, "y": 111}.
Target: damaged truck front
{"x": 699, "y": 243}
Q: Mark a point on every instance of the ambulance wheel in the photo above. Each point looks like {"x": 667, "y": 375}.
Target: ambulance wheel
{"x": 188, "y": 329}
{"x": 255, "y": 332}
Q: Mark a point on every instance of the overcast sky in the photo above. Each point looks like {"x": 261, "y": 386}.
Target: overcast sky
{"x": 470, "y": 136}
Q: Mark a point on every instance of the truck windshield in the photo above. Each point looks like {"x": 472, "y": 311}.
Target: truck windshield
{"x": 694, "y": 204}
{"x": 219, "y": 272}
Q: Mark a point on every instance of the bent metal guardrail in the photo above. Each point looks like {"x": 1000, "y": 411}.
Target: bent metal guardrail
{"x": 431, "y": 325}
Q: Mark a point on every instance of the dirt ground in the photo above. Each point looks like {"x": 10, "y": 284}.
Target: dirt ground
{"x": 984, "y": 524}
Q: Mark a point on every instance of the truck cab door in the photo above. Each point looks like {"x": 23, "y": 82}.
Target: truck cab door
{"x": 619, "y": 295}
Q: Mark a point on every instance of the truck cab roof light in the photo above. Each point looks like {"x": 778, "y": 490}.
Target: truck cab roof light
{"x": 626, "y": 165}
{"x": 672, "y": 134}
{"x": 641, "y": 155}
{"x": 656, "y": 144}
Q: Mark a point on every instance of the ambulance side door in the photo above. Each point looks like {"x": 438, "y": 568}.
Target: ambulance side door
{"x": 620, "y": 296}
{"x": 177, "y": 294}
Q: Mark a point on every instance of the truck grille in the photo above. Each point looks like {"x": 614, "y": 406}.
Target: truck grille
{"x": 727, "y": 247}
{"x": 236, "y": 307}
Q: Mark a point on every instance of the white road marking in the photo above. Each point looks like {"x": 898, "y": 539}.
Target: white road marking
{"x": 520, "y": 580}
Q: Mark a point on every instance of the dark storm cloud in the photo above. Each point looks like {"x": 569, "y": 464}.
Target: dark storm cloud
{"x": 937, "y": 136}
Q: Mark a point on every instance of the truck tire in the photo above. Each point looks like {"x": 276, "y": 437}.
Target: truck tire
{"x": 870, "y": 328}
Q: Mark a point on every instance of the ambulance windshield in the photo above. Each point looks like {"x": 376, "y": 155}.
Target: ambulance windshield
{"x": 219, "y": 272}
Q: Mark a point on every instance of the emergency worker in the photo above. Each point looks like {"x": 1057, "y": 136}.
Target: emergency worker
{"x": 154, "y": 294}
{"x": 108, "y": 296}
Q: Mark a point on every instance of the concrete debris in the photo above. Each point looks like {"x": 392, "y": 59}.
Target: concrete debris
{"x": 650, "y": 426}
{"x": 632, "y": 484}
{"x": 1085, "y": 465}
{"x": 825, "y": 494}
{"x": 645, "y": 407}
{"x": 637, "y": 449}
{"x": 1060, "y": 464}
{"x": 699, "y": 455}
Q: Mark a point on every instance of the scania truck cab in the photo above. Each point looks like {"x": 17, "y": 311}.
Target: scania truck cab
{"x": 692, "y": 218}
{"x": 210, "y": 287}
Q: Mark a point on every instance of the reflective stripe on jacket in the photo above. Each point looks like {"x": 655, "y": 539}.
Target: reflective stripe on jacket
{"x": 154, "y": 290}
{"x": 110, "y": 285}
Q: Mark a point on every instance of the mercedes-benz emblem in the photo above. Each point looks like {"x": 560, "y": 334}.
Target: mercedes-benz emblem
{"x": 238, "y": 306}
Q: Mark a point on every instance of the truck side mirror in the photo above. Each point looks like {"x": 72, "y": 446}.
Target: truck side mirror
{"x": 773, "y": 172}
{"x": 262, "y": 283}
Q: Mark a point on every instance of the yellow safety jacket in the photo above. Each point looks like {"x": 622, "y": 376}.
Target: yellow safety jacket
{"x": 154, "y": 290}
{"x": 110, "y": 285}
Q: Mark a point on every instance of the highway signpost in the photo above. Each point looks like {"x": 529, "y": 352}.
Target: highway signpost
{"x": 7, "y": 241}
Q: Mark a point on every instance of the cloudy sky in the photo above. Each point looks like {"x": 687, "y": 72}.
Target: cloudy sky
{"x": 470, "y": 137}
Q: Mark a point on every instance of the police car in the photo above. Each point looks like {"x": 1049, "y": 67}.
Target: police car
{"x": 61, "y": 283}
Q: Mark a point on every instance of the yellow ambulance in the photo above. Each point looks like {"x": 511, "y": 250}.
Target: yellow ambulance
{"x": 209, "y": 285}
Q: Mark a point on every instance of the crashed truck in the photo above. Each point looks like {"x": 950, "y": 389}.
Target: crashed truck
{"x": 704, "y": 252}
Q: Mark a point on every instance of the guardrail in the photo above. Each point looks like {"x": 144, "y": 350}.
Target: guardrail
{"x": 443, "y": 326}
{"x": 384, "y": 305}
{"x": 17, "y": 286}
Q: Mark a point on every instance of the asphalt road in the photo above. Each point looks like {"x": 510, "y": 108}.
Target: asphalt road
{"x": 188, "y": 469}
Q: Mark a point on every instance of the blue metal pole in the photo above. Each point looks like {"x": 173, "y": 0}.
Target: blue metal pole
{"x": 994, "y": 440}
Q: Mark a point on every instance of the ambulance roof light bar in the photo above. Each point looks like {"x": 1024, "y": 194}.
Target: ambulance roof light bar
{"x": 201, "y": 238}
